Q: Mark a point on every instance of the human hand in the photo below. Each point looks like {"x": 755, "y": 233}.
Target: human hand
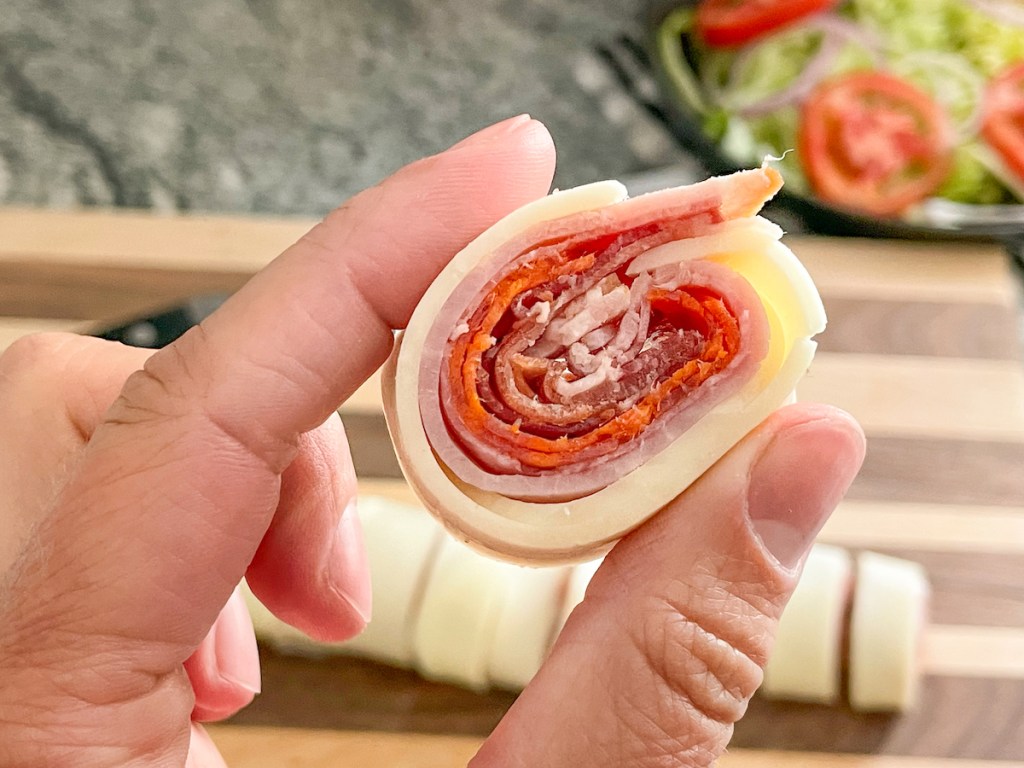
{"x": 139, "y": 500}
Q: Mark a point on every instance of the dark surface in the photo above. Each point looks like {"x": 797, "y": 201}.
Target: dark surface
{"x": 289, "y": 106}
{"x": 938, "y": 329}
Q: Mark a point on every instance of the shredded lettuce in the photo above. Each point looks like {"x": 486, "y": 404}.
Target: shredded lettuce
{"x": 908, "y": 25}
{"x": 670, "y": 48}
{"x": 988, "y": 44}
{"x": 972, "y": 182}
{"x": 942, "y": 25}
{"x": 770, "y": 66}
{"x": 951, "y": 80}
{"x": 764, "y": 69}
{"x": 967, "y": 46}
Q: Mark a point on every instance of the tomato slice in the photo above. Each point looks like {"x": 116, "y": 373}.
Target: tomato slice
{"x": 1003, "y": 121}
{"x": 727, "y": 23}
{"x": 873, "y": 142}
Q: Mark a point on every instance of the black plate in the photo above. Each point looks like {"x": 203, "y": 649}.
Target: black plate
{"x": 820, "y": 217}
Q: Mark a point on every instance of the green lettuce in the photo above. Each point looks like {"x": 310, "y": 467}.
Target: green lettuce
{"x": 973, "y": 47}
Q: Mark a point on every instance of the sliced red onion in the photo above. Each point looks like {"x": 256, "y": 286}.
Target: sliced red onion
{"x": 813, "y": 73}
{"x": 1007, "y": 11}
{"x": 837, "y": 32}
{"x": 936, "y": 63}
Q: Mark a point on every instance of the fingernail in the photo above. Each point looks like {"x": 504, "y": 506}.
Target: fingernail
{"x": 496, "y": 131}
{"x": 798, "y": 479}
{"x": 238, "y": 659}
{"x": 348, "y": 570}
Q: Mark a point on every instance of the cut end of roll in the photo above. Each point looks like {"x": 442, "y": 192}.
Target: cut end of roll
{"x": 583, "y": 361}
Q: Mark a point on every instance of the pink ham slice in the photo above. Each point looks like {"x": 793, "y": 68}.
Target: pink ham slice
{"x": 549, "y": 373}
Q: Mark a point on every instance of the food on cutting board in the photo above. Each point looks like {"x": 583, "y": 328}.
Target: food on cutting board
{"x": 890, "y": 613}
{"x": 441, "y": 608}
{"x": 805, "y": 664}
{"x": 867, "y": 619}
{"x": 582, "y": 362}
{"x": 895, "y": 108}
{"x": 460, "y": 617}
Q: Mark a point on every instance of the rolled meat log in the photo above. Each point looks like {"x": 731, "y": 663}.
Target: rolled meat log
{"x": 806, "y": 663}
{"x": 887, "y": 629}
{"x": 583, "y": 361}
{"x": 458, "y": 616}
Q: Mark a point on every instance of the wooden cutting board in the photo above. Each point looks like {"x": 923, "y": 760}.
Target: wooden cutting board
{"x": 923, "y": 346}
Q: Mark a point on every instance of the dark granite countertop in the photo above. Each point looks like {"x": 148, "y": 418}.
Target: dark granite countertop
{"x": 289, "y": 106}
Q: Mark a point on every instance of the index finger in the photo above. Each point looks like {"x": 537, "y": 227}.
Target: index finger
{"x": 179, "y": 484}
{"x": 318, "y": 321}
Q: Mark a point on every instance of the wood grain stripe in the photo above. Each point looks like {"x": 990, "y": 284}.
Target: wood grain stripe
{"x": 974, "y": 583}
{"x": 890, "y": 395}
{"x": 83, "y": 291}
{"x": 931, "y": 527}
{"x": 140, "y": 240}
{"x": 973, "y": 718}
{"x": 938, "y": 471}
{"x": 923, "y": 396}
{"x": 373, "y": 454}
{"x": 251, "y": 747}
{"x": 893, "y": 395}
{"x": 841, "y": 267}
{"x": 924, "y": 328}
{"x": 915, "y": 470}
{"x": 745, "y": 758}
{"x": 968, "y": 331}
{"x": 934, "y": 272}
{"x": 867, "y": 525}
{"x": 958, "y": 651}
{"x": 971, "y": 590}
{"x": 267, "y": 747}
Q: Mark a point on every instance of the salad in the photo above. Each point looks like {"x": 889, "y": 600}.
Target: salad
{"x": 910, "y": 109}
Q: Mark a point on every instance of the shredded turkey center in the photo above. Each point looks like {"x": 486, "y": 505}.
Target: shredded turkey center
{"x": 582, "y": 346}
{"x": 568, "y": 357}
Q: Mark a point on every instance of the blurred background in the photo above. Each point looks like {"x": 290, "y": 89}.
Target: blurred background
{"x": 154, "y": 153}
{"x": 288, "y": 107}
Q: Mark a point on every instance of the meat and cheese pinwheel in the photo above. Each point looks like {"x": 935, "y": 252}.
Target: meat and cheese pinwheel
{"x": 583, "y": 361}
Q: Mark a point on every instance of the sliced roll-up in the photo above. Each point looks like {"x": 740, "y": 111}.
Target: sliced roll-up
{"x": 457, "y": 622}
{"x": 526, "y": 621}
{"x": 887, "y": 625}
{"x": 583, "y": 361}
{"x": 806, "y": 662}
{"x": 401, "y": 544}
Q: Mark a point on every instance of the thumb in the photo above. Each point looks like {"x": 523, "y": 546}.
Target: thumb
{"x": 662, "y": 656}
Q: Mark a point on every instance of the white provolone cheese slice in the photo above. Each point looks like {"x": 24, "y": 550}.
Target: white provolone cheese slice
{"x": 530, "y": 609}
{"x": 890, "y": 609}
{"x": 458, "y": 617}
{"x": 806, "y": 662}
